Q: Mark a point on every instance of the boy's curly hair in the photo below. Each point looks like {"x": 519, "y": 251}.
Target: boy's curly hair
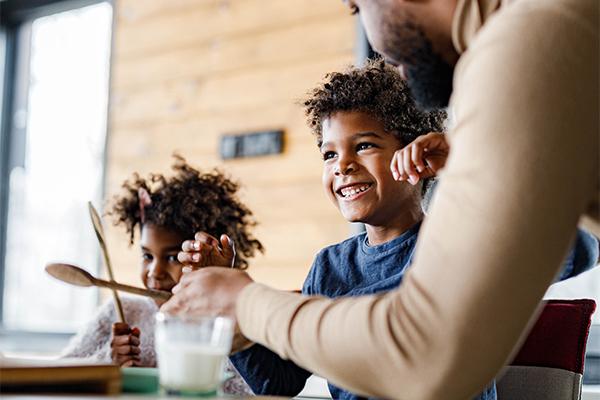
{"x": 378, "y": 90}
{"x": 188, "y": 202}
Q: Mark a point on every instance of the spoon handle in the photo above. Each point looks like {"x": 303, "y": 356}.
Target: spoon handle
{"x": 97, "y": 222}
{"x": 155, "y": 294}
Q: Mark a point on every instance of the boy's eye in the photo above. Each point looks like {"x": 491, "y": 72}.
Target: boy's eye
{"x": 147, "y": 256}
{"x": 172, "y": 258}
{"x": 364, "y": 146}
{"x": 328, "y": 155}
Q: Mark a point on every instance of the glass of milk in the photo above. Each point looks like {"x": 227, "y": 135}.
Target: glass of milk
{"x": 191, "y": 353}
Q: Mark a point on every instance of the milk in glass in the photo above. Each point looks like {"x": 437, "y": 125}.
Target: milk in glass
{"x": 190, "y": 367}
{"x": 191, "y": 353}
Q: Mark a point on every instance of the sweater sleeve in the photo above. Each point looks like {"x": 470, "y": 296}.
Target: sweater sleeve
{"x": 583, "y": 255}
{"x": 265, "y": 371}
{"x": 523, "y": 169}
{"x": 93, "y": 339}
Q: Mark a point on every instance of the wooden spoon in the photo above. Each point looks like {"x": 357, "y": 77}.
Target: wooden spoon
{"x": 80, "y": 277}
{"x": 97, "y": 222}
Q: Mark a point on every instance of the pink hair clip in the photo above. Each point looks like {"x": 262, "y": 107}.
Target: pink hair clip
{"x": 145, "y": 201}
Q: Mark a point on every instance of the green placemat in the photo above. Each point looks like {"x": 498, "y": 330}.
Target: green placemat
{"x": 140, "y": 380}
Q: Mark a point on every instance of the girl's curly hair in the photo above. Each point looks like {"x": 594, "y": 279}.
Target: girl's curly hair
{"x": 188, "y": 202}
{"x": 378, "y": 90}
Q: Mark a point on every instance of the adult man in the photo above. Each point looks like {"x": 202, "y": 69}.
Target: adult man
{"x": 523, "y": 168}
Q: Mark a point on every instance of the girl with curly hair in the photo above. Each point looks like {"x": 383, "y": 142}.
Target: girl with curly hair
{"x": 165, "y": 211}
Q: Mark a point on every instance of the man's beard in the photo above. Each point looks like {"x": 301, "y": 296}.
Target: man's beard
{"x": 430, "y": 81}
{"x": 428, "y": 76}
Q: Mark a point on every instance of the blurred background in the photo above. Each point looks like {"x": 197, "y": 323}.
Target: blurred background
{"x": 93, "y": 91}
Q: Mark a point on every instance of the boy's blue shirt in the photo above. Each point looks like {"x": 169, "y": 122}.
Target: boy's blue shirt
{"x": 353, "y": 268}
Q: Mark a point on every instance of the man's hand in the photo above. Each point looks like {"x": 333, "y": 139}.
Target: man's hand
{"x": 206, "y": 250}
{"x": 210, "y": 291}
{"x": 421, "y": 159}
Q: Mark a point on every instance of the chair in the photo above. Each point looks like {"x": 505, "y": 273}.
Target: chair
{"x": 549, "y": 365}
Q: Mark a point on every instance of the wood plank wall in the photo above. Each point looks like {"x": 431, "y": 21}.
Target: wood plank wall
{"x": 187, "y": 71}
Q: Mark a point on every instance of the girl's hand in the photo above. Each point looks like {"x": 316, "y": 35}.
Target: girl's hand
{"x": 125, "y": 345}
{"x": 206, "y": 251}
{"x": 421, "y": 159}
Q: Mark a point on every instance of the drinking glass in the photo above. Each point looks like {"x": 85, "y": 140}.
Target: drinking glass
{"x": 191, "y": 353}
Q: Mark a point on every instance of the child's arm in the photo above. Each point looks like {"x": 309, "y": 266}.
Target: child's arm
{"x": 92, "y": 340}
{"x": 582, "y": 257}
{"x": 268, "y": 374}
{"x": 205, "y": 251}
{"x": 421, "y": 159}
{"x": 264, "y": 371}
{"x": 125, "y": 345}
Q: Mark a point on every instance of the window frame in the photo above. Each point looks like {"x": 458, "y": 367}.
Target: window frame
{"x": 14, "y": 15}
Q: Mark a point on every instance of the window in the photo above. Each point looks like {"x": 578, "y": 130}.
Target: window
{"x": 54, "y": 134}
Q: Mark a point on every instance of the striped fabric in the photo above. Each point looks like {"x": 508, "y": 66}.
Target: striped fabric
{"x": 538, "y": 383}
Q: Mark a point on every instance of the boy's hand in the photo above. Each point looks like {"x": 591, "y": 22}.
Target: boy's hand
{"x": 125, "y": 345}
{"x": 421, "y": 159}
{"x": 206, "y": 251}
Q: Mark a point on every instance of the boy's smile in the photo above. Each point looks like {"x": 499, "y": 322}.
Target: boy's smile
{"x": 353, "y": 191}
{"x": 357, "y": 152}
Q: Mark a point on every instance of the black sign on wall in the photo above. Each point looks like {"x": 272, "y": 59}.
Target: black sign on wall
{"x": 252, "y": 144}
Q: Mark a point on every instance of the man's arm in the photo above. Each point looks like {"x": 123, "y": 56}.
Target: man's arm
{"x": 522, "y": 168}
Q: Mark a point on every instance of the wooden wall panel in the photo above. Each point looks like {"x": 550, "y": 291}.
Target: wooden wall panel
{"x": 191, "y": 23}
{"x": 228, "y": 55}
{"x": 186, "y": 72}
{"x": 254, "y": 90}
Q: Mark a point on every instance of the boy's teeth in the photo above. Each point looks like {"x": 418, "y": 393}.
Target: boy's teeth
{"x": 352, "y": 191}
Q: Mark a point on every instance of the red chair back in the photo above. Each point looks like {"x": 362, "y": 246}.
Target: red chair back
{"x": 559, "y": 337}
{"x": 550, "y": 363}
